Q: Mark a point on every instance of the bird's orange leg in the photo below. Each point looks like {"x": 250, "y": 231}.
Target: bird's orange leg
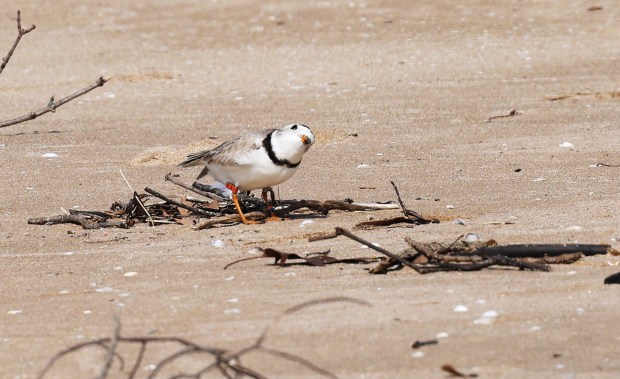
{"x": 235, "y": 200}
{"x": 272, "y": 216}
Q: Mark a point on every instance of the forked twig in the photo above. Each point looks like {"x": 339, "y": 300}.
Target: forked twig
{"x": 20, "y": 33}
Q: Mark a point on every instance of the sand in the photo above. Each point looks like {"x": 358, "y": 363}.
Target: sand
{"x": 395, "y": 90}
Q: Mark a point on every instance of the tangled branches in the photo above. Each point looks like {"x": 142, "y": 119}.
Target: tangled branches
{"x": 472, "y": 256}
{"x": 227, "y": 363}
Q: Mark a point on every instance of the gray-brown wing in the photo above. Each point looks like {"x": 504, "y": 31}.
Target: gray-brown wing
{"x": 227, "y": 153}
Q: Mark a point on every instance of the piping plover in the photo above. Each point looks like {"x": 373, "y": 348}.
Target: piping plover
{"x": 255, "y": 160}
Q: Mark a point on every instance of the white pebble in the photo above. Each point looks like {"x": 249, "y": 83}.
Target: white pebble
{"x": 255, "y": 251}
{"x": 461, "y": 308}
{"x": 458, "y": 221}
{"x": 49, "y": 155}
{"x": 538, "y": 180}
{"x": 484, "y": 321}
{"x": 490, "y": 314}
{"x": 233, "y": 300}
{"x": 217, "y": 243}
{"x": 232, "y": 311}
{"x": 104, "y": 289}
{"x": 574, "y": 228}
{"x": 289, "y": 274}
{"x": 471, "y": 237}
{"x": 305, "y": 222}
{"x": 230, "y": 278}
{"x": 450, "y": 206}
{"x": 87, "y": 312}
{"x": 363, "y": 165}
{"x": 14, "y": 311}
{"x": 68, "y": 253}
{"x": 63, "y": 292}
{"x": 579, "y": 311}
{"x": 571, "y": 273}
{"x": 150, "y": 367}
{"x": 417, "y": 354}
{"x": 567, "y": 145}
{"x": 441, "y": 335}
{"x": 535, "y": 328}
{"x": 130, "y": 273}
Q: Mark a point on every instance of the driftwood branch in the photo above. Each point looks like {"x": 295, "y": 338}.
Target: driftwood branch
{"x": 53, "y": 105}
{"x": 227, "y": 363}
{"x": 85, "y": 221}
{"x": 20, "y": 33}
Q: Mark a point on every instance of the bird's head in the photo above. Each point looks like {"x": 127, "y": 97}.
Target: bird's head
{"x": 298, "y": 133}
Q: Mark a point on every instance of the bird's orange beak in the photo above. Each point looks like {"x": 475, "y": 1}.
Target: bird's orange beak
{"x": 305, "y": 140}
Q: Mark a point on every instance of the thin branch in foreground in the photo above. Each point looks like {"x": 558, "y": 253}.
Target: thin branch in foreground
{"x": 227, "y": 363}
{"x": 20, "y": 33}
{"x": 53, "y": 105}
{"x": 111, "y": 350}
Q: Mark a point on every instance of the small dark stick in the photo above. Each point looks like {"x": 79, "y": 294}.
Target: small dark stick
{"x": 418, "y": 344}
{"x": 454, "y": 372}
{"x": 512, "y": 113}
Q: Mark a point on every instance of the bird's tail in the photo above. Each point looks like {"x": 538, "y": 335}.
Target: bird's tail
{"x": 193, "y": 159}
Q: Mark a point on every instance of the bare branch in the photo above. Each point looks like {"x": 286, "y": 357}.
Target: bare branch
{"x": 20, "y": 33}
{"x": 53, "y": 105}
{"x": 227, "y": 363}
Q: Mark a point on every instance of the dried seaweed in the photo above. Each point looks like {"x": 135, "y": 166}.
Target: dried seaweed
{"x": 313, "y": 259}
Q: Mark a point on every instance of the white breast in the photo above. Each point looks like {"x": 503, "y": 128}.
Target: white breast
{"x": 254, "y": 171}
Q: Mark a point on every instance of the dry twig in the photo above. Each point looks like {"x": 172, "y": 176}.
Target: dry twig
{"x": 20, "y": 33}
{"x": 51, "y": 104}
{"x": 512, "y": 113}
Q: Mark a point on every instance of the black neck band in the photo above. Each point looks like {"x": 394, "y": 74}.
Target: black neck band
{"x": 277, "y": 161}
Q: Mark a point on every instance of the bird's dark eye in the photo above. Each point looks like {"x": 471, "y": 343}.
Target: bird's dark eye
{"x": 294, "y": 127}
